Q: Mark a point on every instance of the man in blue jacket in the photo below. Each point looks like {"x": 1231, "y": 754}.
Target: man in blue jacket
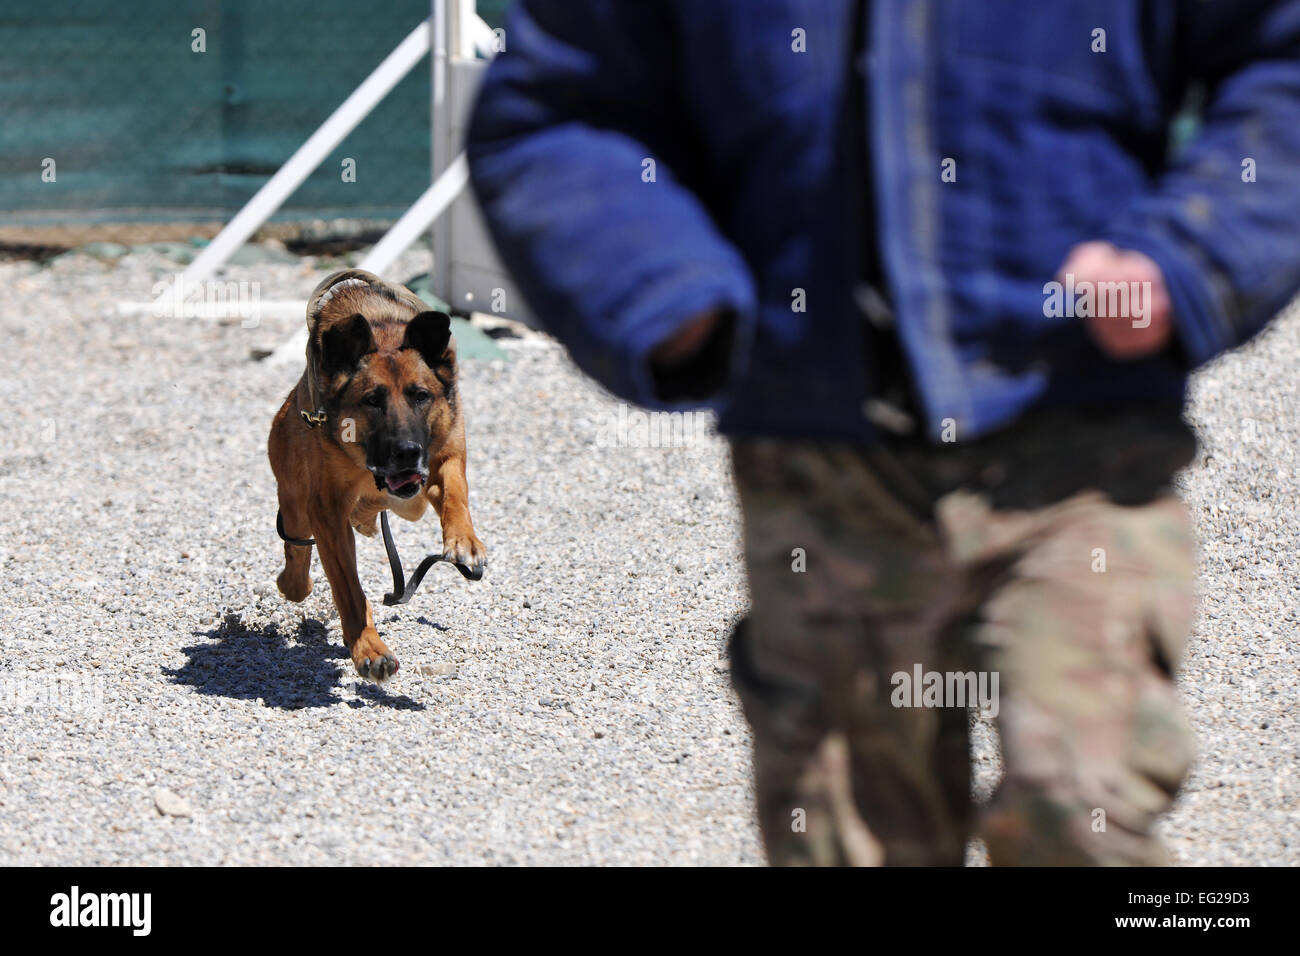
{"x": 939, "y": 271}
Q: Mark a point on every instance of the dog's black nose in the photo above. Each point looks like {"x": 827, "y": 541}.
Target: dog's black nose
{"x": 406, "y": 454}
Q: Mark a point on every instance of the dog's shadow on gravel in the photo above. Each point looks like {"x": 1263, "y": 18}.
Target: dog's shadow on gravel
{"x": 289, "y": 673}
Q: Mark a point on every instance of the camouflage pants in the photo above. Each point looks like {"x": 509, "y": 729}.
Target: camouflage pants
{"x": 1053, "y": 558}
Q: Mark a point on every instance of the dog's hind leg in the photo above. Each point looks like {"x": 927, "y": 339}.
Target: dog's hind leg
{"x": 294, "y": 581}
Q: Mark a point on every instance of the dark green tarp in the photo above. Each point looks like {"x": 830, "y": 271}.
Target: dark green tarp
{"x": 142, "y": 128}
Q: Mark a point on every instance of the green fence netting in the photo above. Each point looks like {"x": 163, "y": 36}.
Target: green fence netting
{"x": 141, "y": 126}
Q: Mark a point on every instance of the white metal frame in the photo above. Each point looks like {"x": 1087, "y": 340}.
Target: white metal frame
{"x": 311, "y": 153}
{"x": 465, "y": 267}
{"x": 466, "y": 270}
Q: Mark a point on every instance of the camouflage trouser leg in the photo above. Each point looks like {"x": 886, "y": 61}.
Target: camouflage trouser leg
{"x": 1085, "y": 631}
{"x": 1080, "y": 607}
{"x": 842, "y": 776}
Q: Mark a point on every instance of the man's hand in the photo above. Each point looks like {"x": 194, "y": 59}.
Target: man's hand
{"x": 686, "y": 341}
{"x": 1116, "y": 334}
{"x": 692, "y": 363}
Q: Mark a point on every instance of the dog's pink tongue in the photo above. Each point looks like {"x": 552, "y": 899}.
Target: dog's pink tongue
{"x": 394, "y": 483}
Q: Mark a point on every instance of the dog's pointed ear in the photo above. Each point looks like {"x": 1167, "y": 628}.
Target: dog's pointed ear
{"x": 429, "y": 333}
{"x": 343, "y": 345}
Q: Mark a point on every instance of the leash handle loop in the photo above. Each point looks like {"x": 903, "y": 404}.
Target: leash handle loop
{"x": 402, "y": 593}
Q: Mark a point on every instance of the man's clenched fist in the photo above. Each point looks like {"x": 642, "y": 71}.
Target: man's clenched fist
{"x": 1118, "y": 334}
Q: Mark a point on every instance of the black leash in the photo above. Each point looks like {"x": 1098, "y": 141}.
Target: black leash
{"x": 401, "y": 593}
{"x": 279, "y": 529}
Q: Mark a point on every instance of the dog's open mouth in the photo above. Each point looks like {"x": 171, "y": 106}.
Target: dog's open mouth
{"x": 403, "y": 484}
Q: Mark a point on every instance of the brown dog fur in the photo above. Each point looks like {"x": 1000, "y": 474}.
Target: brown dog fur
{"x": 328, "y": 477}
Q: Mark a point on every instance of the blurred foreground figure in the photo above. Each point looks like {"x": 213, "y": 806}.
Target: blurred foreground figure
{"x": 940, "y": 273}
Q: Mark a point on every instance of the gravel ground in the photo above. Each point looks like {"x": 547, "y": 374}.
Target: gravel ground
{"x": 161, "y": 704}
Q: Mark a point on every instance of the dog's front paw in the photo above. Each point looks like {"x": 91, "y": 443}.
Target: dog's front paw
{"x": 372, "y": 657}
{"x": 464, "y": 548}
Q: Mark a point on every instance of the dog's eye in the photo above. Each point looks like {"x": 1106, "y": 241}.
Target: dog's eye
{"x": 419, "y": 396}
{"x": 375, "y": 399}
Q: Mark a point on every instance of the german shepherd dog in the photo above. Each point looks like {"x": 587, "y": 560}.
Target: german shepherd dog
{"x": 373, "y": 424}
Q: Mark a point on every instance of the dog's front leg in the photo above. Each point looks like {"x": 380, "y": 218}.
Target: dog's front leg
{"x": 449, "y": 494}
{"x": 338, "y": 555}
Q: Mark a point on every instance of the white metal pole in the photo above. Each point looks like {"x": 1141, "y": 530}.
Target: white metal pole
{"x": 483, "y": 38}
{"x": 427, "y": 210}
{"x": 442, "y": 39}
{"x": 466, "y": 17}
{"x": 312, "y": 153}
